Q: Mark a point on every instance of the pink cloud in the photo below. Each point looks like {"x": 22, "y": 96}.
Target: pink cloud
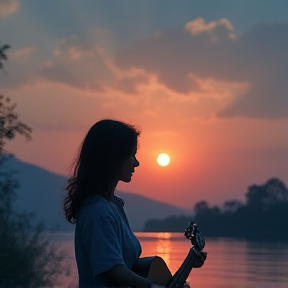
{"x": 199, "y": 26}
{"x": 21, "y": 53}
{"x": 8, "y": 7}
{"x": 73, "y": 63}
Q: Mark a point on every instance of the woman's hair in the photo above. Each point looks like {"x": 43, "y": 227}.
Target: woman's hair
{"x": 106, "y": 146}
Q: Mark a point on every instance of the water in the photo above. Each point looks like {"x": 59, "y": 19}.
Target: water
{"x": 231, "y": 263}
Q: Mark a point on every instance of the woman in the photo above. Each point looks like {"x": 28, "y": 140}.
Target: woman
{"x": 107, "y": 252}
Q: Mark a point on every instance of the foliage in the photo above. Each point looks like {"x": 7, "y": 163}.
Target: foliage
{"x": 27, "y": 258}
{"x": 9, "y": 123}
{"x": 267, "y": 195}
{"x": 3, "y": 56}
{"x": 263, "y": 216}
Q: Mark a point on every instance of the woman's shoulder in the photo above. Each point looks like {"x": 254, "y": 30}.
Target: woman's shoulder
{"x": 97, "y": 206}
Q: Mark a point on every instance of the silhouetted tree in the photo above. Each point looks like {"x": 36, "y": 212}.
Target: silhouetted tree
{"x": 207, "y": 218}
{"x": 201, "y": 207}
{"x": 255, "y": 195}
{"x": 232, "y": 206}
{"x": 3, "y": 56}
{"x": 263, "y": 216}
{"x": 276, "y": 191}
{"x": 27, "y": 258}
{"x": 9, "y": 123}
{"x": 270, "y": 193}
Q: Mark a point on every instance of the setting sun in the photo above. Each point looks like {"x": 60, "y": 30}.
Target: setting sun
{"x": 163, "y": 159}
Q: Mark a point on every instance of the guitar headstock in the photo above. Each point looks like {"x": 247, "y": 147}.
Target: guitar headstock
{"x": 193, "y": 233}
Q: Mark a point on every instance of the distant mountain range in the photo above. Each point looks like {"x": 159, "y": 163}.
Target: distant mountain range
{"x": 42, "y": 192}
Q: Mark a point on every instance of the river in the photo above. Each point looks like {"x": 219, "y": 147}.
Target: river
{"x": 231, "y": 263}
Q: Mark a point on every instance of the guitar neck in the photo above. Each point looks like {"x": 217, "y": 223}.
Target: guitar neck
{"x": 183, "y": 272}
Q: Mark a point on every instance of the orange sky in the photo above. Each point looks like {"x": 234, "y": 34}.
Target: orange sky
{"x": 208, "y": 92}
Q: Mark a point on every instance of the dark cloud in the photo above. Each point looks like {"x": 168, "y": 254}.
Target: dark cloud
{"x": 264, "y": 54}
{"x": 258, "y": 57}
{"x": 62, "y": 74}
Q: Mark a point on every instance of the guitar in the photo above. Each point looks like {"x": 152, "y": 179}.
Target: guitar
{"x": 160, "y": 274}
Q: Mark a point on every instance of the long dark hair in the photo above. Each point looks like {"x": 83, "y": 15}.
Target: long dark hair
{"x": 106, "y": 146}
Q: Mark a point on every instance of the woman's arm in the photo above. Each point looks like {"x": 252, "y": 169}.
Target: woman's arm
{"x": 120, "y": 275}
{"x": 142, "y": 266}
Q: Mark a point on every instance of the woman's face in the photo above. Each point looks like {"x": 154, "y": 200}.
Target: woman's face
{"x": 128, "y": 168}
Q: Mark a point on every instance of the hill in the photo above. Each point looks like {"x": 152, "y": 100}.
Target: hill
{"x": 42, "y": 192}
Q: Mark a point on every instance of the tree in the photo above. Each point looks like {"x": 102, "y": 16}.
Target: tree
{"x": 3, "y": 56}
{"x": 231, "y": 206}
{"x": 270, "y": 193}
{"x": 276, "y": 191}
{"x": 27, "y": 258}
{"x": 9, "y": 123}
{"x": 201, "y": 207}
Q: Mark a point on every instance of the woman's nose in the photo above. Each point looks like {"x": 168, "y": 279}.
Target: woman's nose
{"x": 136, "y": 163}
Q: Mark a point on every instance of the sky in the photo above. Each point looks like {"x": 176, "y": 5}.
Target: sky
{"x": 205, "y": 81}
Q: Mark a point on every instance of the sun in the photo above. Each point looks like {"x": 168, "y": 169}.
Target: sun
{"x": 163, "y": 159}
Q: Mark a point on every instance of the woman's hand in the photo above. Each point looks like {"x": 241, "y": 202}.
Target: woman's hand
{"x": 186, "y": 285}
{"x": 202, "y": 255}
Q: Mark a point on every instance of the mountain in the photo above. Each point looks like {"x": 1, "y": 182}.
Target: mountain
{"x": 42, "y": 192}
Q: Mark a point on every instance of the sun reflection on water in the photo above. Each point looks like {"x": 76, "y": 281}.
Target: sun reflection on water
{"x": 163, "y": 247}
{"x": 230, "y": 263}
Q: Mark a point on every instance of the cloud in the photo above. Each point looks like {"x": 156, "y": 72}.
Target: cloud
{"x": 19, "y": 70}
{"x": 199, "y": 67}
{"x": 129, "y": 84}
{"x": 22, "y": 53}
{"x": 77, "y": 64}
{"x": 264, "y": 52}
{"x": 8, "y": 7}
{"x": 74, "y": 63}
{"x": 257, "y": 59}
{"x": 199, "y": 26}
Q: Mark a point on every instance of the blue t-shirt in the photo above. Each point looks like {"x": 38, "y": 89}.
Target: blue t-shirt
{"x": 103, "y": 239}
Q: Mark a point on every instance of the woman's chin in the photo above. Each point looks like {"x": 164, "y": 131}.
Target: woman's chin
{"x": 126, "y": 180}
